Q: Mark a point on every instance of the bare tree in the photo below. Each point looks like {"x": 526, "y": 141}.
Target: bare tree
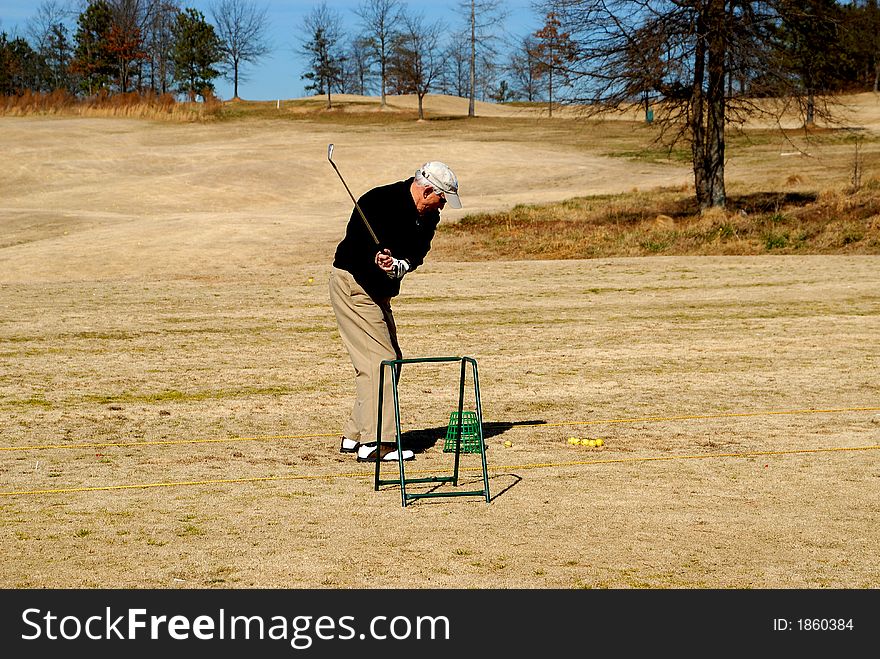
{"x": 682, "y": 51}
{"x": 555, "y": 51}
{"x": 359, "y": 75}
{"x": 159, "y": 42}
{"x": 455, "y": 75}
{"x": 380, "y": 19}
{"x": 418, "y": 57}
{"x": 241, "y": 26}
{"x": 484, "y": 16}
{"x": 486, "y": 79}
{"x": 50, "y": 36}
{"x": 525, "y": 68}
{"x": 49, "y": 14}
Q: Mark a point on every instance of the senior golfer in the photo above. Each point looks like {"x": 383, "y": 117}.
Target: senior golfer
{"x": 366, "y": 276}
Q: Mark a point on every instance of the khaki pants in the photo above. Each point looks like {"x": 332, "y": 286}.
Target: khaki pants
{"x": 369, "y": 334}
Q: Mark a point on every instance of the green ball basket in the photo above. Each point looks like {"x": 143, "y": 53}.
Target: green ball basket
{"x": 470, "y": 435}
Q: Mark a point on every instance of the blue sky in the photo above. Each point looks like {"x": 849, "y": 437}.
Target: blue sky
{"x": 278, "y": 74}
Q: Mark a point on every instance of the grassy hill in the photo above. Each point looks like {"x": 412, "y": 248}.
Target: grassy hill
{"x": 825, "y": 200}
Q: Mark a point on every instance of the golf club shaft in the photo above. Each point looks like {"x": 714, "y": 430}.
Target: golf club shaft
{"x": 363, "y": 217}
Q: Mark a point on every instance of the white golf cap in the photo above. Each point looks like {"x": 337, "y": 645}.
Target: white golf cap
{"x": 442, "y": 178}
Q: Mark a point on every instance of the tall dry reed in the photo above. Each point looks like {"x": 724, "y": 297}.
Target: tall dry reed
{"x": 148, "y": 105}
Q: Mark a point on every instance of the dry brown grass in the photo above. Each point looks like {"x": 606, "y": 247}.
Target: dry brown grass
{"x": 172, "y": 383}
{"x": 131, "y": 106}
{"x": 668, "y": 222}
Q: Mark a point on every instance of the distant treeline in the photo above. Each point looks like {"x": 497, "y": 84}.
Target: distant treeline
{"x": 161, "y": 47}
{"x": 150, "y": 47}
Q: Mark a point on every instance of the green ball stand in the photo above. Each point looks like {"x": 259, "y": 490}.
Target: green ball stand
{"x": 468, "y": 425}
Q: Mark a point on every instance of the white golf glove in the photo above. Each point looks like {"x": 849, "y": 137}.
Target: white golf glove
{"x": 399, "y": 267}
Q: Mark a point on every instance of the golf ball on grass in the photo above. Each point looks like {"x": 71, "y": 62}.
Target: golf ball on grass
{"x": 574, "y": 441}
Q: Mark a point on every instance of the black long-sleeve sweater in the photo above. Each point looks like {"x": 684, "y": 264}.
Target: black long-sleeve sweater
{"x": 397, "y": 224}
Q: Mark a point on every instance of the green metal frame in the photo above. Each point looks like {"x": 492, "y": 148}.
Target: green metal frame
{"x": 403, "y": 481}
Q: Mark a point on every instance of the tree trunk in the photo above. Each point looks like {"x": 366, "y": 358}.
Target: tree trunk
{"x": 421, "y": 108}
{"x": 698, "y": 138}
{"x": 382, "y": 104}
{"x": 810, "y": 118}
{"x": 471, "y": 110}
{"x": 707, "y": 147}
{"x": 716, "y": 103}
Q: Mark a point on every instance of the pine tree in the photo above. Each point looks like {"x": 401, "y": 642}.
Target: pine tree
{"x": 196, "y": 53}
{"x": 322, "y": 46}
{"x": 19, "y": 66}
{"x": 93, "y": 61}
{"x": 58, "y": 54}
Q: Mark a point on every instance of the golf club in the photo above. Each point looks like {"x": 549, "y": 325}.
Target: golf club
{"x": 363, "y": 217}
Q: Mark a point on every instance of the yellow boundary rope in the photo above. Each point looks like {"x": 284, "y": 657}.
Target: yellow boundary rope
{"x": 259, "y": 479}
{"x": 164, "y": 442}
{"x": 267, "y": 438}
{"x": 715, "y": 416}
{"x": 536, "y": 465}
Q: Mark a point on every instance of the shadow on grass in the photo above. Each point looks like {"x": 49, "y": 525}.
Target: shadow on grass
{"x": 756, "y": 202}
{"x": 466, "y": 482}
{"x": 497, "y": 477}
{"x": 767, "y": 202}
{"x": 423, "y": 439}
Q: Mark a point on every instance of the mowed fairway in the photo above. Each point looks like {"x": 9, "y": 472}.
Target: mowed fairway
{"x": 173, "y": 386}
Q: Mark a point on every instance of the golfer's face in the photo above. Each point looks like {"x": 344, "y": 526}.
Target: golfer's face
{"x": 436, "y": 200}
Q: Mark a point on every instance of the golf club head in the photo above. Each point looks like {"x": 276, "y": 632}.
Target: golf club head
{"x": 330, "y": 152}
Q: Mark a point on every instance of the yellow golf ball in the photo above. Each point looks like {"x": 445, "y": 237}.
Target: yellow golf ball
{"x": 573, "y": 441}
{"x": 508, "y": 444}
{"x": 600, "y": 442}
{"x": 588, "y": 442}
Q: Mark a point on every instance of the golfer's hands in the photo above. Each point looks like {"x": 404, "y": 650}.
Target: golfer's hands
{"x": 394, "y": 268}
